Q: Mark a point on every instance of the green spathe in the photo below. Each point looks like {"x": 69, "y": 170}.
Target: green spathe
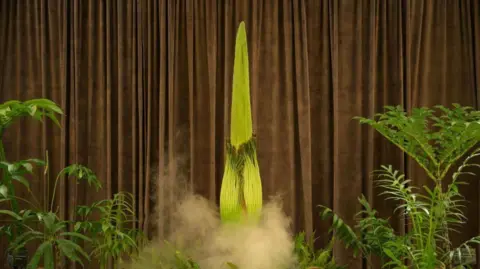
{"x": 241, "y": 191}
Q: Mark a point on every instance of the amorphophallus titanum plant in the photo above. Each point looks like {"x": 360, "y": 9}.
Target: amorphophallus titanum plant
{"x": 241, "y": 191}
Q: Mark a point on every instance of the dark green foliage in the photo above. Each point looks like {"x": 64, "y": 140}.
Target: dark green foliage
{"x": 342, "y": 231}
{"x": 40, "y": 223}
{"x": 52, "y": 234}
{"x": 112, "y": 233}
{"x": 83, "y": 173}
{"x": 18, "y": 170}
{"x": 11, "y": 111}
{"x": 308, "y": 257}
{"x": 35, "y": 108}
{"x": 437, "y": 140}
{"x": 41, "y": 226}
{"x": 434, "y": 141}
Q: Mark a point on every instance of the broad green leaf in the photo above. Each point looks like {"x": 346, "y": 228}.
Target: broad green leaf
{"x": 54, "y": 119}
{"x": 33, "y": 110}
{"x": 49, "y": 221}
{"x": 45, "y": 247}
{"x": 70, "y": 249}
{"x": 12, "y": 168}
{"x": 37, "y": 162}
{"x": 45, "y": 103}
{"x": 11, "y": 214}
{"x": 28, "y": 167}
{"x": 77, "y": 235}
{"x": 3, "y": 191}
{"x": 22, "y": 180}
{"x": 48, "y": 258}
{"x": 26, "y": 237}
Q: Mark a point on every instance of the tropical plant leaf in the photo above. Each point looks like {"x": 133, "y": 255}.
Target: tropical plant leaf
{"x": 46, "y": 250}
{"x": 21, "y": 240}
{"x": 4, "y": 191}
{"x": 70, "y": 250}
{"x": 81, "y": 173}
{"x": 11, "y": 214}
{"x": 16, "y": 171}
{"x": 436, "y": 139}
{"x": 307, "y": 257}
{"x": 112, "y": 235}
{"x": 48, "y": 257}
{"x": 35, "y": 108}
{"x": 76, "y": 235}
{"x": 342, "y": 231}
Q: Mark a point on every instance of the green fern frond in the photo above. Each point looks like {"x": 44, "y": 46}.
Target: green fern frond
{"x": 434, "y": 138}
{"x": 114, "y": 235}
{"x": 342, "y": 231}
{"x": 308, "y": 257}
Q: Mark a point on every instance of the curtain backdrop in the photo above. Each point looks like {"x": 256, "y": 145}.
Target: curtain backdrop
{"x": 145, "y": 85}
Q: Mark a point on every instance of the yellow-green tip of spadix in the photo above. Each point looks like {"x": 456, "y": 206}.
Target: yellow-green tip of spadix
{"x": 241, "y": 115}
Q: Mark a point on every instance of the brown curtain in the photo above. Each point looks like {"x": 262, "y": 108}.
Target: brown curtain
{"x": 146, "y": 83}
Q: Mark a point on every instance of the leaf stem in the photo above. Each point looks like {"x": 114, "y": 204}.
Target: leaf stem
{"x": 55, "y": 189}
{"x": 37, "y": 207}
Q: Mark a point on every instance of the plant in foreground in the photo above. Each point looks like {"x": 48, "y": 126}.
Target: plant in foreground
{"x": 436, "y": 140}
{"x": 41, "y": 223}
{"x": 11, "y": 111}
{"x": 308, "y": 257}
{"x": 112, "y": 234}
{"x": 44, "y": 226}
{"x": 241, "y": 191}
{"x": 168, "y": 257}
{"x": 53, "y": 235}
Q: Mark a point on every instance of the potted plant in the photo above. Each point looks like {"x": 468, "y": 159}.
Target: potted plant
{"x": 17, "y": 260}
{"x": 437, "y": 140}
